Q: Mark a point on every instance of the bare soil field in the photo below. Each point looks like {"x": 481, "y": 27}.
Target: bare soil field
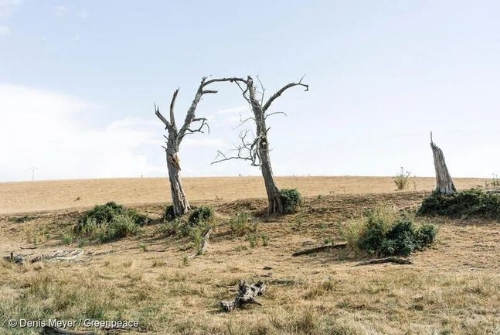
{"x": 453, "y": 287}
{"x": 38, "y": 196}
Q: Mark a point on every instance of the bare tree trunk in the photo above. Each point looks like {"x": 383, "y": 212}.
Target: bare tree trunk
{"x": 444, "y": 183}
{"x": 275, "y": 205}
{"x": 179, "y": 199}
{"x": 174, "y": 139}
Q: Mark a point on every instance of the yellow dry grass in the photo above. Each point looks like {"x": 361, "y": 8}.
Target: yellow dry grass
{"x": 451, "y": 288}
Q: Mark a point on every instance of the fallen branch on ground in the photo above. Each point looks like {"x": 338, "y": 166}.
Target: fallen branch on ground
{"x": 59, "y": 255}
{"x": 321, "y": 248}
{"x": 59, "y": 331}
{"x": 395, "y": 260}
{"x": 246, "y": 295}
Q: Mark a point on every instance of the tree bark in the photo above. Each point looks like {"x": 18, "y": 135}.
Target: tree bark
{"x": 444, "y": 183}
{"x": 179, "y": 200}
{"x": 174, "y": 139}
{"x": 275, "y": 205}
{"x": 246, "y": 295}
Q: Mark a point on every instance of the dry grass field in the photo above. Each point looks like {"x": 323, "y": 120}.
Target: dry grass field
{"x": 453, "y": 287}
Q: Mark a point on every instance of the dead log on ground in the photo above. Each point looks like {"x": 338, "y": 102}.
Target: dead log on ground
{"x": 394, "y": 260}
{"x": 246, "y": 295}
{"x": 59, "y": 255}
{"x": 325, "y": 247}
{"x": 59, "y": 331}
{"x": 17, "y": 259}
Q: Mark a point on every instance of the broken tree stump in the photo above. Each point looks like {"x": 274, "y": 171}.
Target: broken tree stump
{"x": 246, "y": 295}
{"x": 319, "y": 249}
{"x": 444, "y": 183}
{"x": 394, "y": 260}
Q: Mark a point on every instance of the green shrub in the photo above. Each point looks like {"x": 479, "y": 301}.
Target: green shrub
{"x": 468, "y": 203}
{"x": 109, "y": 222}
{"x": 382, "y": 235}
{"x": 290, "y": 199}
{"x": 201, "y": 214}
{"x": 169, "y": 214}
{"x": 104, "y": 214}
{"x": 372, "y": 236}
{"x": 425, "y": 235}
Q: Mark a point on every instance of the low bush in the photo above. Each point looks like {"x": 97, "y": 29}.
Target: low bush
{"x": 381, "y": 235}
{"x": 108, "y": 222}
{"x": 290, "y": 199}
{"x": 467, "y": 203}
{"x": 169, "y": 214}
{"x": 203, "y": 214}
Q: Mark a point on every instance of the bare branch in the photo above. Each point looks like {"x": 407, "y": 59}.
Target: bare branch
{"x": 200, "y": 128}
{"x": 263, "y": 91}
{"x": 268, "y": 115}
{"x": 172, "y": 105}
{"x": 161, "y": 117}
{"x": 245, "y": 151}
{"x": 209, "y": 91}
{"x": 218, "y": 80}
{"x": 280, "y": 92}
{"x": 191, "y": 113}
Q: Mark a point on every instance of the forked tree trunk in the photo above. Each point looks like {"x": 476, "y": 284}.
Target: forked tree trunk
{"x": 444, "y": 183}
{"x": 174, "y": 139}
{"x": 179, "y": 199}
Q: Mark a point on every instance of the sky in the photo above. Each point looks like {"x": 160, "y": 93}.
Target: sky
{"x": 79, "y": 78}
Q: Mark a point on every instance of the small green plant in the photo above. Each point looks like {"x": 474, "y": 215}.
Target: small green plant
{"x": 495, "y": 181}
{"x": 291, "y": 200}
{"x": 239, "y": 225}
{"x": 201, "y": 214}
{"x": 252, "y": 239}
{"x": 143, "y": 246}
{"x": 67, "y": 238}
{"x": 402, "y": 179}
{"x": 265, "y": 239}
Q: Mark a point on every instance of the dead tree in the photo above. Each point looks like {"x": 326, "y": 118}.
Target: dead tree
{"x": 174, "y": 139}
{"x": 444, "y": 183}
{"x": 256, "y": 149}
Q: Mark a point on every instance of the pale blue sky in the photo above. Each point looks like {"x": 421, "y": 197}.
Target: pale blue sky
{"x": 78, "y": 80}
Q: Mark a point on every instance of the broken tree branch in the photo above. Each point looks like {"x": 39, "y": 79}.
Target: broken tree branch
{"x": 246, "y": 295}
{"x": 280, "y": 92}
{"x": 394, "y": 260}
{"x": 325, "y": 247}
